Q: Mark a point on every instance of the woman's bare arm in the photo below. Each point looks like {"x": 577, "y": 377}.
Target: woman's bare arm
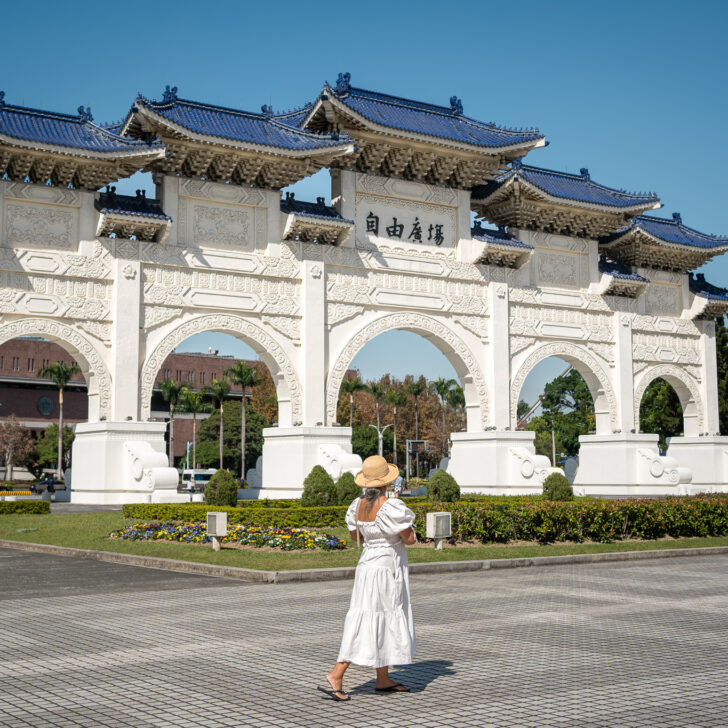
{"x": 408, "y": 536}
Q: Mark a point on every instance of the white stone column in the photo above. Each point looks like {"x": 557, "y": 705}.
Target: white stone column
{"x": 624, "y": 374}
{"x": 168, "y": 195}
{"x": 125, "y": 361}
{"x": 343, "y": 198}
{"x": 498, "y": 357}
{"x": 709, "y": 377}
{"x": 313, "y": 342}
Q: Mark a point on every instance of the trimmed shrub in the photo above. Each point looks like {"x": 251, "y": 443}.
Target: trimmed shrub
{"x": 24, "y": 507}
{"x": 346, "y": 489}
{"x": 318, "y": 489}
{"x": 270, "y": 503}
{"x": 222, "y": 489}
{"x": 442, "y": 487}
{"x": 556, "y": 487}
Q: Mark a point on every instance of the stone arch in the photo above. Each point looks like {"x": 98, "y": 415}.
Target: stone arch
{"x": 442, "y": 336}
{"x": 687, "y": 392}
{"x": 288, "y": 388}
{"x": 95, "y": 371}
{"x": 602, "y": 392}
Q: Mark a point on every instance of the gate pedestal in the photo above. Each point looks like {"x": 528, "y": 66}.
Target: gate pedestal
{"x": 627, "y": 466}
{"x": 122, "y": 462}
{"x": 499, "y": 463}
{"x": 707, "y": 457}
{"x": 289, "y": 454}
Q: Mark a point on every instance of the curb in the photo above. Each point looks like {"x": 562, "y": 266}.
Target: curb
{"x": 256, "y": 576}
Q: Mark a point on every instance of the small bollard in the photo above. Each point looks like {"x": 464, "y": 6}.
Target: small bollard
{"x": 216, "y": 527}
{"x": 439, "y": 527}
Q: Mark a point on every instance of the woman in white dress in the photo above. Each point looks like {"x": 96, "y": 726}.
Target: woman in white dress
{"x": 379, "y": 630}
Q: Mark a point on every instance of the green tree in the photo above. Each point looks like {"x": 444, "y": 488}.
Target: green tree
{"x": 208, "y": 441}
{"x": 193, "y": 403}
{"x": 456, "y": 399}
{"x": 318, "y": 489}
{"x": 364, "y": 441}
{"x": 217, "y": 391}
{"x": 351, "y": 387}
{"x": 396, "y": 399}
{"x": 416, "y": 389}
{"x": 346, "y": 489}
{"x": 442, "y": 388}
{"x": 170, "y": 394}
{"x": 661, "y": 412}
{"x": 46, "y": 449}
{"x": 380, "y": 394}
{"x": 60, "y": 374}
{"x": 244, "y": 376}
{"x": 522, "y": 409}
{"x": 221, "y": 490}
{"x": 16, "y": 444}
{"x": 721, "y": 346}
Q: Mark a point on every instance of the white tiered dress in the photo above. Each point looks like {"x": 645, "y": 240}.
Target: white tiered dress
{"x": 379, "y": 629}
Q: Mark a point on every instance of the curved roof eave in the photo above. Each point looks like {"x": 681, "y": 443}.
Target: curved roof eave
{"x": 425, "y": 138}
{"x": 335, "y": 150}
{"x": 150, "y": 151}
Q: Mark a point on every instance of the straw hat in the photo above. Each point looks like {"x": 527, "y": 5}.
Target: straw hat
{"x": 376, "y": 472}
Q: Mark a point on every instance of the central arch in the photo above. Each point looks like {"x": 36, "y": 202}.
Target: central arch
{"x": 93, "y": 368}
{"x": 687, "y": 392}
{"x": 288, "y": 388}
{"x": 602, "y": 392}
{"x": 442, "y": 336}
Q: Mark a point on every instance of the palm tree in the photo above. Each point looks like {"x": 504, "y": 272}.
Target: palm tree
{"x": 60, "y": 374}
{"x": 415, "y": 390}
{"x": 456, "y": 398}
{"x": 379, "y": 394}
{"x": 350, "y": 386}
{"x": 170, "y": 394}
{"x": 244, "y": 376}
{"x": 218, "y": 390}
{"x": 396, "y": 399}
{"x": 442, "y": 388}
{"x": 193, "y": 402}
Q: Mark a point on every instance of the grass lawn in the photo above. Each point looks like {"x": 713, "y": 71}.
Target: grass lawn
{"x": 90, "y": 531}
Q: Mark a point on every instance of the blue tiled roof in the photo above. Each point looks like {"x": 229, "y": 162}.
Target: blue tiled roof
{"x": 417, "y": 117}
{"x": 65, "y": 130}
{"x": 619, "y": 270}
{"x": 320, "y": 209}
{"x": 671, "y": 231}
{"x": 141, "y": 206}
{"x": 578, "y": 188}
{"x": 700, "y": 287}
{"x": 499, "y": 236}
{"x": 239, "y": 126}
{"x": 294, "y": 117}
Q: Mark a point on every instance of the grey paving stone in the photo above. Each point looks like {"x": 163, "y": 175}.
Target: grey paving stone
{"x": 632, "y": 644}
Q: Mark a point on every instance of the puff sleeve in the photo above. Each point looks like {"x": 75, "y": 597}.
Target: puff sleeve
{"x": 394, "y": 517}
{"x": 351, "y": 514}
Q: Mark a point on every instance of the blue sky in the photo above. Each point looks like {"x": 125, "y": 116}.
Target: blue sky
{"x": 635, "y": 91}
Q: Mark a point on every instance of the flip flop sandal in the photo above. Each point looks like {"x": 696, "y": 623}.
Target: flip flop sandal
{"x": 332, "y": 693}
{"x": 396, "y": 688}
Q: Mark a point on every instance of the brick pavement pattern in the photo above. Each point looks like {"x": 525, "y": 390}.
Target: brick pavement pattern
{"x": 634, "y": 645}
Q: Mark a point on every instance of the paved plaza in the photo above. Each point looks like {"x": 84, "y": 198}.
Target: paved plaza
{"x": 634, "y": 645}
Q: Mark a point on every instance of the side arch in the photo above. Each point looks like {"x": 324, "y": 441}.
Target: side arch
{"x": 450, "y": 344}
{"x": 288, "y": 388}
{"x": 602, "y": 392}
{"x": 95, "y": 371}
{"x": 687, "y": 392}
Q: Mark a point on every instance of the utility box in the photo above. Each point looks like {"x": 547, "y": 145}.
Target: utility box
{"x": 439, "y": 526}
{"x": 216, "y": 524}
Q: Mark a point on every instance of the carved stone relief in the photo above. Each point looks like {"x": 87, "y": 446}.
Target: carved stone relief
{"x": 665, "y": 348}
{"x": 411, "y": 322}
{"x": 270, "y": 349}
{"x": 32, "y": 225}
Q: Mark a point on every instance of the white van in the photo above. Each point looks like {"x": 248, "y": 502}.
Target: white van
{"x": 194, "y": 481}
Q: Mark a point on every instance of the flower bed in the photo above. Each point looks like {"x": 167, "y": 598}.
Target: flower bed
{"x": 286, "y": 539}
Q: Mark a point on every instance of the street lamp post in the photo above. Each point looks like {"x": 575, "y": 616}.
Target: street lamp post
{"x": 380, "y": 436}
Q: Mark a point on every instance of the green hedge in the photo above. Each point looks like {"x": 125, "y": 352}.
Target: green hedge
{"x": 29, "y": 506}
{"x": 500, "y": 522}
{"x": 293, "y": 517}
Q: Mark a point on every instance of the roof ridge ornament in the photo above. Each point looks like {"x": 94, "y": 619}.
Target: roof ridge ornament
{"x": 456, "y": 105}
{"x": 170, "y": 94}
{"x": 517, "y": 163}
{"x": 266, "y": 110}
{"x": 2, "y": 99}
{"x": 85, "y": 114}
{"x": 677, "y": 217}
{"x": 343, "y": 83}
{"x": 584, "y": 171}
